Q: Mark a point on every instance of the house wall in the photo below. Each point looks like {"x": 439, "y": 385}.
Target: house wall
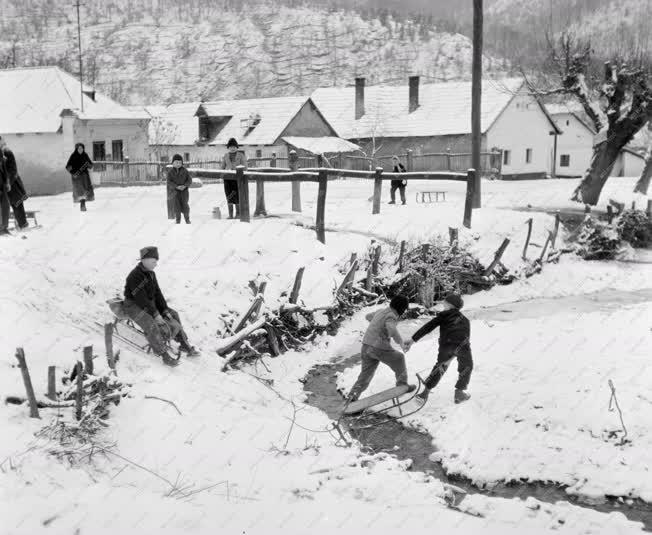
{"x": 133, "y": 134}
{"x": 41, "y": 161}
{"x": 419, "y": 145}
{"x": 211, "y": 153}
{"x": 520, "y": 126}
{"x": 576, "y": 142}
{"x": 308, "y": 123}
{"x": 627, "y": 164}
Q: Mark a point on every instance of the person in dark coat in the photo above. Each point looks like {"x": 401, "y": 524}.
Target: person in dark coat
{"x": 17, "y": 193}
{"x": 178, "y": 183}
{"x": 144, "y": 303}
{"x": 5, "y": 187}
{"x": 454, "y": 342}
{"x": 398, "y": 184}
{"x": 79, "y": 165}
{"x": 231, "y": 160}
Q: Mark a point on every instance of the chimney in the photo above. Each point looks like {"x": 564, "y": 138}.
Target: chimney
{"x": 414, "y": 93}
{"x": 359, "y": 97}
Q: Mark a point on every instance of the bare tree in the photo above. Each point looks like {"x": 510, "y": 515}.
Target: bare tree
{"x": 625, "y": 96}
{"x": 162, "y": 134}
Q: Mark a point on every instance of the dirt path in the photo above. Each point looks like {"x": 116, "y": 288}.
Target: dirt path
{"x": 418, "y": 446}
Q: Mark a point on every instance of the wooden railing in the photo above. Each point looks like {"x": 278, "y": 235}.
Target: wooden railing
{"x": 322, "y": 176}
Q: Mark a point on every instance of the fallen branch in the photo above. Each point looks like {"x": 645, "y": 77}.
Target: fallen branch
{"x": 166, "y": 401}
{"x": 614, "y": 399}
{"x": 233, "y": 341}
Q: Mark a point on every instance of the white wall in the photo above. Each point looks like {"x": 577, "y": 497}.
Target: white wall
{"x": 520, "y": 126}
{"x": 576, "y": 141}
{"x": 212, "y": 152}
{"x": 133, "y": 134}
{"x": 627, "y": 164}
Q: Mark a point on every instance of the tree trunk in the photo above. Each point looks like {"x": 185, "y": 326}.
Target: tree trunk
{"x": 644, "y": 181}
{"x": 602, "y": 162}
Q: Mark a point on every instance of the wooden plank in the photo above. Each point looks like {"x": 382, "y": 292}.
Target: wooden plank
{"x": 380, "y": 397}
{"x": 294, "y": 296}
{"x": 27, "y": 381}
{"x": 378, "y": 189}
{"x": 321, "y": 207}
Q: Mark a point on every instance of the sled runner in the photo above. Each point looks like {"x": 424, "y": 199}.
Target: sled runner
{"x": 423, "y": 195}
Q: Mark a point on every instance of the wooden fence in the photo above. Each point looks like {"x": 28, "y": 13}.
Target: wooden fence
{"x": 321, "y": 176}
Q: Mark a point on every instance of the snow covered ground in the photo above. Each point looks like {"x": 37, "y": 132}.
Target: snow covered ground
{"x": 234, "y": 441}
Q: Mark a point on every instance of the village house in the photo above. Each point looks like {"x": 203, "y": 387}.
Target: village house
{"x": 575, "y": 146}
{"x": 41, "y": 118}
{"x": 263, "y": 127}
{"x": 430, "y": 119}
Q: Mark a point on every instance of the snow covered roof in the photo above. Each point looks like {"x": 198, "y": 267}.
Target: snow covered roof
{"x": 270, "y": 115}
{"x": 175, "y": 124}
{"x": 321, "y": 145}
{"x": 444, "y": 108}
{"x": 33, "y": 99}
{"x": 557, "y": 111}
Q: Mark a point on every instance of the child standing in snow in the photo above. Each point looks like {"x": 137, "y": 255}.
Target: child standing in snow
{"x": 178, "y": 183}
{"x": 376, "y": 347}
{"x": 454, "y": 342}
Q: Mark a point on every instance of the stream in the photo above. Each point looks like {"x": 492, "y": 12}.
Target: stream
{"x": 405, "y": 443}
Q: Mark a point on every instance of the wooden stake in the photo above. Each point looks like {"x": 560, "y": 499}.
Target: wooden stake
{"x": 369, "y": 280}
{"x": 52, "y": 383}
{"x": 243, "y": 193}
{"x": 108, "y": 344}
{"x": 296, "y": 185}
{"x": 239, "y": 337}
{"x": 250, "y": 312}
{"x": 453, "y": 238}
{"x": 610, "y": 214}
{"x": 401, "y": 256}
{"x": 80, "y": 390}
{"x": 376, "y": 261}
{"x": 272, "y": 340}
{"x": 468, "y": 202}
{"x": 88, "y": 359}
{"x": 260, "y": 198}
{"x": 545, "y": 247}
{"x": 321, "y": 206}
{"x": 648, "y": 210}
{"x": 527, "y": 240}
{"x": 633, "y": 205}
{"x": 29, "y": 390}
{"x": 294, "y": 296}
{"x": 354, "y": 257}
{"x": 425, "y": 251}
{"x": 554, "y": 233}
{"x": 378, "y": 190}
{"x": 261, "y": 291}
{"x": 497, "y": 256}
{"x": 348, "y": 278}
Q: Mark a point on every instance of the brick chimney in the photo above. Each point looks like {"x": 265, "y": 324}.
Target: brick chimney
{"x": 414, "y": 93}
{"x": 359, "y": 97}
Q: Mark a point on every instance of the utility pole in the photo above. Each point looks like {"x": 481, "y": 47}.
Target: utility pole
{"x": 476, "y": 100}
{"x": 81, "y": 68}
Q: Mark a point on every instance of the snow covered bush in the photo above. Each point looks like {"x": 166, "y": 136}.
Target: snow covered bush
{"x": 597, "y": 240}
{"x": 635, "y": 227}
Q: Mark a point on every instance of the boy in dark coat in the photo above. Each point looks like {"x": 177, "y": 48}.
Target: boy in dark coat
{"x": 454, "y": 342}
{"x": 144, "y": 303}
{"x": 178, "y": 183}
{"x": 78, "y": 165}
{"x": 397, "y": 184}
{"x": 231, "y": 160}
{"x": 17, "y": 193}
{"x": 376, "y": 347}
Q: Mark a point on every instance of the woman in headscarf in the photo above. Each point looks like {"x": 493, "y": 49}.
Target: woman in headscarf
{"x": 231, "y": 160}
{"x": 79, "y": 165}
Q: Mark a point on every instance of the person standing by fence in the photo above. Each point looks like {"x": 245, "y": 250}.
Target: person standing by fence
{"x": 178, "y": 183}
{"x": 398, "y": 184}
{"x": 230, "y": 161}
{"x": 79, "y": 165}
{"x": 17, "y": 193}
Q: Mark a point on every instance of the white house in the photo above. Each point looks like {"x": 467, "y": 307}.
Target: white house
{"x": 575, "y": 145}
{"x": 199, "y": 131}
{"x": 41, "y": 119}
{"x": 429, "y": 119}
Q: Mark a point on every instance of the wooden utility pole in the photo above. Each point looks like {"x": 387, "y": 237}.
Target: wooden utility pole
{"x": 81, "y": 69}
{"x": 476, "y": 99}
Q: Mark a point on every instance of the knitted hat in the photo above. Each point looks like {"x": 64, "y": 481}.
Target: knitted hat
{"x": 399, "y": 303}
{"x": 177, "y": 157}
{"x": 232, "y": 143}
{"x": 149, "y": 252}
{"x": 455, "y": 300}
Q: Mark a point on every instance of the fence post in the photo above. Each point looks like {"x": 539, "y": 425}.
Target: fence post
{"x": 52, "y": 383}
{"x": 376, "y": 260}
{"x": 497, "y": 257}
{"x": 272, "y": 162}
{"x": 169, "y": 194}
{"x": 409, "y": 161}
{"x": 293, "y": 163}
{"x": 610, "y": 213}
{"x": 527, "y": 239}
{"x": 648, "y": 210}
{"x": 260, "y": 198}
{"x": 88, "y": 360}
{"x": 448, "y": 158}
{"x": 468, "y": 203}
{"x": 108, "y": 343}
{"x": 29, "y": 389}
{"x": 453, "y": 238}
{"x": 554, "y": 234}
{"x": 294, "y": 296}
{"x": 401, "y": 256}
{"x": 79, "y": 397}
{"x": 321, "y": 206}
{"x": 126, "y": 173}
{"x": 243, "y": 193}
{"x": 378, "y": 190}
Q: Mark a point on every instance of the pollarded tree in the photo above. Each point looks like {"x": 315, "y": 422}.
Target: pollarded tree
{"x": 625, "y": 106}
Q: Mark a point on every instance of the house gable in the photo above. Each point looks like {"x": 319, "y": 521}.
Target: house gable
{"x": 308, "y": 122}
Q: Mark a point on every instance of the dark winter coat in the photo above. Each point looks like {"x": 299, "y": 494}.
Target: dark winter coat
{"x": 78, "y": 166}
{"x": 454, "y": 331}
{"x": 17, "y": 195}
{"x": 142, "y": 288}
{"x": 178, "y": 177}
{"x": 78, "y": 163}
{"x": 400, "y": 168}
{"x": 231, "y": 186}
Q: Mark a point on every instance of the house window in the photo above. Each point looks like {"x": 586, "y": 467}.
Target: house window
{"x": 99, "y": 154}
{"x": 528, "y": 155}
{"x": 259, "y": 153}
{"x": 117, "y": 150}
{"x": 164, "y": 158}
{"x": 564, "y": 160}
{"x": 507, "y": 157}
{"x": 186, "y": 156}
{"x": 567, "y": 122}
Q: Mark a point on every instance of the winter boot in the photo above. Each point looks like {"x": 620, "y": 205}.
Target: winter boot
{"x": 461, "y": 396}
{"x": 423, "y": 396}
{"x": 190, "y": 350}
{"x": 391, "y": 202}
{"x": 230, "y": 208}
{"x": 82, "y": 205}
{"x": 411, "y": 388}
{"x": 167, "y": 359}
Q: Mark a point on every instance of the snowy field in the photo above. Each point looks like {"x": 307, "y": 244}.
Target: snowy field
{"x": 234, "y": 442}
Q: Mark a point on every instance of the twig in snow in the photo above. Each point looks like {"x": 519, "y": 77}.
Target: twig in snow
{"x": 166, "y": 401}
{"x": 614, "y": 399}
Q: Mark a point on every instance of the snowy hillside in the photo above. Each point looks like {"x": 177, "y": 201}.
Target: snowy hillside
{"x": 142, "y": 54}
